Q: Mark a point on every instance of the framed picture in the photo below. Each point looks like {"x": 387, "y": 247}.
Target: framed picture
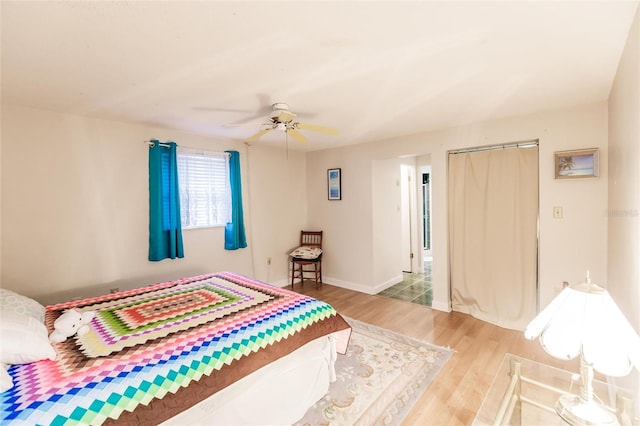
{"x": 334, "y": 184}
{"x": 579, "y": 163}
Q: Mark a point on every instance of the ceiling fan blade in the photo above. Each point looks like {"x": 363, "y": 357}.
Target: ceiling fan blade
{"x": 297, "y": 136}
{"x": 285, "y": 116}
{"x": 316, "y": 128}
{"x": 258, "y": 135}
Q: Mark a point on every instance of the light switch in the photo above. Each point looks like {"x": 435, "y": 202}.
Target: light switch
{"x": 557, "y": 212}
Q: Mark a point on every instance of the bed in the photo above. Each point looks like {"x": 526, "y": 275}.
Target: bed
{"x": 218, "y": 348}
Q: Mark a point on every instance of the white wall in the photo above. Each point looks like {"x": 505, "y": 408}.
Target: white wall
{"x": 388, "y": 248}
{"x": 347, "y": 223}
{"x": 75, "y": 207}
{"x": 568, "y": 246}
{"x": 624, "y": 180}
{"x": 278, "y": 198}
{"x": 624, "y": 190}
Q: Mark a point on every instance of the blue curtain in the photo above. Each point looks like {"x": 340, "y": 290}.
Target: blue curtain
{"x": 165, "y": 229}
{"x": 234, "y": 236}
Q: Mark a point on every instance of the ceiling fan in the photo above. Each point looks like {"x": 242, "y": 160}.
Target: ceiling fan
{"x": 282, "y": 119}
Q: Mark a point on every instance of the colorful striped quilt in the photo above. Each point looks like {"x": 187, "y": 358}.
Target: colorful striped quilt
{"x": 147, "y": 347}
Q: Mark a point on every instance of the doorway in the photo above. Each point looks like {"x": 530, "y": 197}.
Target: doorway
{"x": 415, "y": 203}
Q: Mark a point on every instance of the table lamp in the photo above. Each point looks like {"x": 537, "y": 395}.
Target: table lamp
{"x": 583, "y": 320}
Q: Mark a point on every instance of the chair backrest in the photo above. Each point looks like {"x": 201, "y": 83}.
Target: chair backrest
{"x": 311, "y": 238}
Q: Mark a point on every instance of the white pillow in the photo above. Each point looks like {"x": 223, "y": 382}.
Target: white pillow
{"x": 6, "y": 382}
{"x": 12, "y": 301}
{"x": 23, "y": 339}
{"x": 306, "y": 252}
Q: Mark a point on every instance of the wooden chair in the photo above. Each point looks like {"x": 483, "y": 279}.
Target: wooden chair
{"x": 309, "y": 252}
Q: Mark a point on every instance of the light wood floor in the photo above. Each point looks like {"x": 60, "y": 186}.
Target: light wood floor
{"x": 459, "y": 389}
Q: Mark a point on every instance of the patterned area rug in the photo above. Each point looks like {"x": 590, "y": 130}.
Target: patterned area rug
{"x": 379, "y": 379}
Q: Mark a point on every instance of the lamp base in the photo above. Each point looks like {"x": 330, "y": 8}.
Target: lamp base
{"x": 576, "y": 411}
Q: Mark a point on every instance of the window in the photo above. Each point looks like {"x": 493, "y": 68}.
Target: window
{"x": 205, "y": 193}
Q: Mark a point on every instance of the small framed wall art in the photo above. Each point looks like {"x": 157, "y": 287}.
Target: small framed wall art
{"x": 576, "y": 164}
{"x": 334, "y": 184}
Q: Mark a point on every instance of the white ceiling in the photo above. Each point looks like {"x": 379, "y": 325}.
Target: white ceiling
{"x": 372, "y": 69}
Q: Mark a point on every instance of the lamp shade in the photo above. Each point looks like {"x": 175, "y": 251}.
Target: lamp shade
{"x": 584, "y": 320}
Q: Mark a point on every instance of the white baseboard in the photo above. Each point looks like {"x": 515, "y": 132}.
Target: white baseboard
{"x": 349, "y": 285}
{"x": 440, "y": 306}
{"x": 283, "y": 283}
{"x": 435, "y": 304}
{"x": 361, "y": 288}
{"x": 338, "y": 283}
{"x": 385, "y": 285}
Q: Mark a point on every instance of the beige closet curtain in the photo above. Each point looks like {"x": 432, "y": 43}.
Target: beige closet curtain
{"x": 493, "y": 216}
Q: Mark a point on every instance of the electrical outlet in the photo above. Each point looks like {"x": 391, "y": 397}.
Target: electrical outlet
{"x": 557, "y": 212}
{"x": 268, "y": 260}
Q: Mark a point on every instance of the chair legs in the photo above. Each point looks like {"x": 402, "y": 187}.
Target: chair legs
{"x": 317, "y": 272}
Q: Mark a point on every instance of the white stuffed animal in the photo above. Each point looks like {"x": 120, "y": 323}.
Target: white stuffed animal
{"x": 72, "y": 321}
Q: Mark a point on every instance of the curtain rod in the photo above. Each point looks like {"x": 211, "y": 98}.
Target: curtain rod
{"x": 152, "y": 143}
{"x": 521, "y": 144}
{"x": 165, "y": 144}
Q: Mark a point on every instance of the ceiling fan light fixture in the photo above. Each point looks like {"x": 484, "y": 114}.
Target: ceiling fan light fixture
{"x": 282, "y": 119}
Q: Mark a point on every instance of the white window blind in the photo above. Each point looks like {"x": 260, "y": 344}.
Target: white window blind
{"x": 205, "y": 192}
